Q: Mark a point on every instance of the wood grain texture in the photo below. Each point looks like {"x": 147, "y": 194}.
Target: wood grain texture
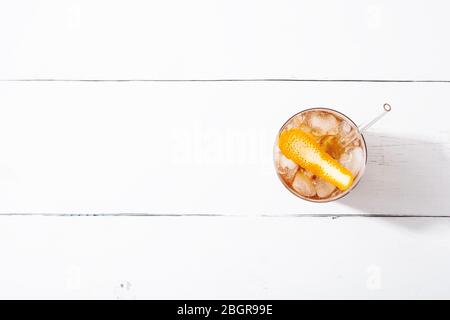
{"x": 218, "y": 39}
{"x": 206, "y": 148}
{"x": 224, "y": 258}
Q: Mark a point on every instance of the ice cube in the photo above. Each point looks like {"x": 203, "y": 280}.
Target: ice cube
{"x": 286, "y": 167}
{"x": 309, "y": 174}
{"x": 305, "y": 128}
{"x": 324, "y": 188}
{"x": 323, "y": 123}
{"x": 353, "y": 160}
{"x": 295, "y": 122}
{"x": 303, "y": 185}
{"x": 344, "y": 128}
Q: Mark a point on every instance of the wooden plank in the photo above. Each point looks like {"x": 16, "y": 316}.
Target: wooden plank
{"x": 216, "y": 39}
{"x": 224, "y": 258}
{"x": 206, "y": 148}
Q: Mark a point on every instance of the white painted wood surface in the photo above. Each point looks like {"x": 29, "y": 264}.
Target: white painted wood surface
{"x": 204, "y": 148}
{"x": 176, "y": 39}
{"x": 223, "y": 257}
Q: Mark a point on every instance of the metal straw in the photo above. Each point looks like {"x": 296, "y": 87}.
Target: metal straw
{"x": 363, "y": 127}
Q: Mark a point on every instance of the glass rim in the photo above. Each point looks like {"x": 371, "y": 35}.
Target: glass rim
{"x": 360, "y": 174}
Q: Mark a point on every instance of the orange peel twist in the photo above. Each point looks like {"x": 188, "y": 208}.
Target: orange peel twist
{"x": 303, "y": 149}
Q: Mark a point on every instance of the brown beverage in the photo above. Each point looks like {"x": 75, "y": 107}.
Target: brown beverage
{"x": 336, "y": 136}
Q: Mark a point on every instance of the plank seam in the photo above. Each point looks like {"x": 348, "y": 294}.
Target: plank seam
{"x": 333, "y": 216}
{"x": 227, "y": 80}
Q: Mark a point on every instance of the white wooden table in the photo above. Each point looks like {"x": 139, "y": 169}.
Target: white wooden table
{"x": 136, "y": 149}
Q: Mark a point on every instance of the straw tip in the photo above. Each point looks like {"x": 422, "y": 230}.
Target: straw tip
{"x": 387, "y": 107}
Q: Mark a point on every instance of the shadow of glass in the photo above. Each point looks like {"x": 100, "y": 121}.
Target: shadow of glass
{"x": 403, "y": 177}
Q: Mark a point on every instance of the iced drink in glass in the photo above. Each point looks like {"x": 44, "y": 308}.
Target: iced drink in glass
{"x": 320, "y": 155}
